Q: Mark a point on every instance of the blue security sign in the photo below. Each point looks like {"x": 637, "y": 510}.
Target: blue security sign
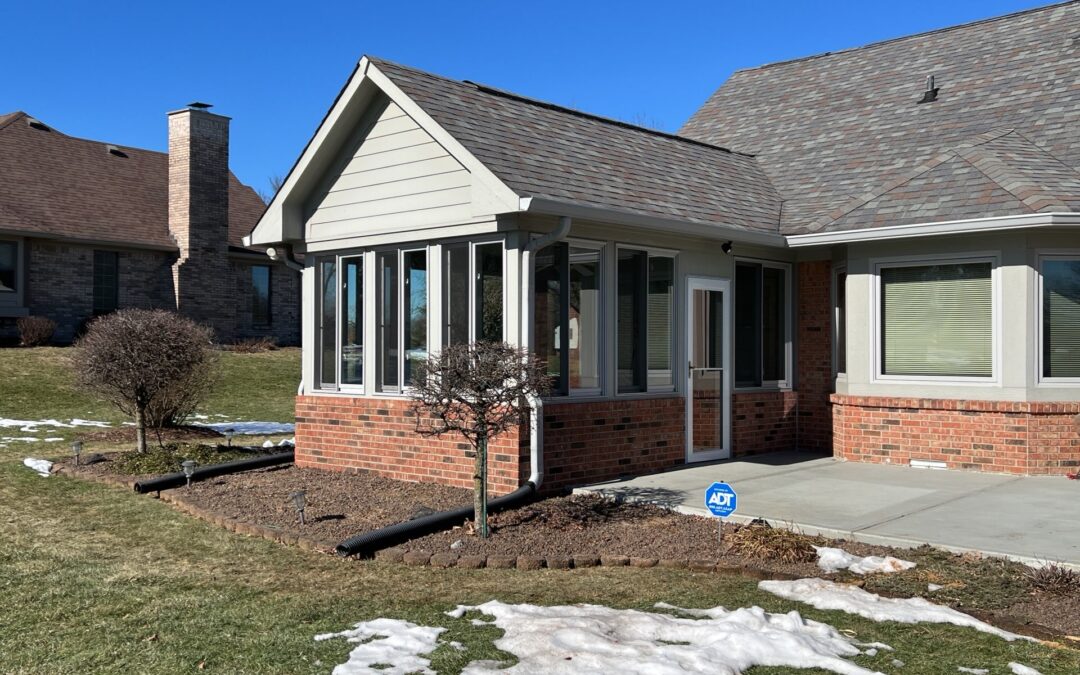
{"x": 720, "y": 499}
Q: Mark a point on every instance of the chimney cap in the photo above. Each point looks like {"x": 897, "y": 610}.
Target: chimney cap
{"x": 199, "y": 105}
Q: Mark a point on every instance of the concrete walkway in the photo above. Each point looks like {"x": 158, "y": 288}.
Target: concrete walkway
{"x": 1033, "y": 519}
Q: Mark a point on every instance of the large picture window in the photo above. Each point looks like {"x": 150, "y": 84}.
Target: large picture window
{"x": 568, "y": 293}
{"x": 762, "y": 307}
{"x": 473, "y": 293}
{"x": 937, "y": 320}
{"x": 644, "y": 304}
{"x": 1060, "y": 317}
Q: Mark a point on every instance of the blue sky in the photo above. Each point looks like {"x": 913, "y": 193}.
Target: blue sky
{"x": 110, "y": 70}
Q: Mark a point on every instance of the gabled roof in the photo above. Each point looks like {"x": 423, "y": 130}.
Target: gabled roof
{"x": 527, "y": 152}
{"x": 545, "y": 151}
{"x": 57, "y": 186}
{"x": 844, "y": 141}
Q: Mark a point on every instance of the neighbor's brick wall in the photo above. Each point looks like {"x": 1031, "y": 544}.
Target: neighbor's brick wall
{"x": 284, "y": 304}
{"x": 814, "y": 354}
{"x": 993, "y": 436}
{"x": 586, "y": 442}
{"x": 379, "y": 435}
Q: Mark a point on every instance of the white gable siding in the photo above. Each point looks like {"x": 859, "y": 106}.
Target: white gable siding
{"x": 394, "y": 177}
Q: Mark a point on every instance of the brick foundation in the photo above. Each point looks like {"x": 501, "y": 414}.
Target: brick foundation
{"x": 992, "y": 436}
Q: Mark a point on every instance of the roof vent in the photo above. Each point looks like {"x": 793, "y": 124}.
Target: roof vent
{"x": 113, "y": 150}
{"x": 930, "y": 95}
{"x": 37, "y": 124}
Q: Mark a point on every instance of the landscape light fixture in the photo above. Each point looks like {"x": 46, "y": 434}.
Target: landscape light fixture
{"x": 189, "y": 468}
{"x": 76, "y": 449}
{"x": 299, "y": 500}
{"x": 229, "y": 433}
{"x": 726, "y": 247}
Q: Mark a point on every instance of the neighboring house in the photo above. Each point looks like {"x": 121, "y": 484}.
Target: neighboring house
{"x": 89, "y": 227}
{"x": 831, "y": 255}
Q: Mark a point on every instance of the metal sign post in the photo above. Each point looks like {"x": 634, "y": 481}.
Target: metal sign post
{"x": 721, "y": 501}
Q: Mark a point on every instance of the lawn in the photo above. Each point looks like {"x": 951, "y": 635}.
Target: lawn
{"x": 98, "y": 579}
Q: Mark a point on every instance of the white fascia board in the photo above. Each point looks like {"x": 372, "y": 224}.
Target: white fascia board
{"x": 494, "y": 197}
{"x": 671, "y": 225}
{"x": 970, "y": 226}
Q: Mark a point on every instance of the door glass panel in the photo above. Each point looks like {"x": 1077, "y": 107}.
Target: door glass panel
{"x": 707, "y": 371}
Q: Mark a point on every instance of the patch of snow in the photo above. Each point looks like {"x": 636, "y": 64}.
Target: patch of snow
{"x": 597, "y": 639}
{"x": 398, "y": 644}
{"x": 1021, "y": 669}
{"x": 53, "y": 439}
{"x": 31, "y": 426}
{"x": 268, "y": 444}
{"x": 457, "y": 613}
{"x": 457, "y": 645}
{"x": 19, "y": 439}
{"x": 897, "y": 663}
{"x": 824, "y": 594}
{"x": 973, "y": 671}
{"x": 934, "y": 588}
{"x": 457, "y": 544}
{"x": 836, "y": 559}
{"x": 287, "y": 442}
{"x": 250, "y": 428}
{"x": 89, "y": 423}
{"x": 42, "y": 466}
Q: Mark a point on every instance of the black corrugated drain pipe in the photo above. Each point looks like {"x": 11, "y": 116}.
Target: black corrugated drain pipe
{"x": 172, "y": 480}
{"x": 365, "y": 544}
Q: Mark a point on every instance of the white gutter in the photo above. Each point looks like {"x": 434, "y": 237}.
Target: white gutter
{"x": 672, "y": 225}
{"x": 536, "y": 418}
{"x": 969, "y": 226}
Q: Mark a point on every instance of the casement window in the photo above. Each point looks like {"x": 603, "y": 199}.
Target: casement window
{"x": 340, "y": 324}
{"x": 106, "y": 287}
{"x": 9, "y": 266}
{"x": 260, "y": 295}
{"x": 936, "y": 319}
{"x": 568, "y": 309}
{"x": 644, "y": 320}
{"x": 840, "y": 321}
{"x": 473, "y": 293}
{"x": 401, "y": 311}
{"x": 762, "y": 328}
{"x": 1060, "y": 325}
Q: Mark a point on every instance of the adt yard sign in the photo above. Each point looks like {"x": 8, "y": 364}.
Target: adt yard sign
{"x": 720, "y": 499}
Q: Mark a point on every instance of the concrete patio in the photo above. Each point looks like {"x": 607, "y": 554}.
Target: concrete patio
{"x": 1031, "y": 518}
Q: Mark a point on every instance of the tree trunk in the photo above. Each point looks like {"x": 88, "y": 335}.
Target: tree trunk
{"x": 140, "y": 430}
{"x": 480, "y": 488}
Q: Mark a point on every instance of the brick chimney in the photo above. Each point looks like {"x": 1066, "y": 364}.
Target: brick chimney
{"x": 199, "y": 215}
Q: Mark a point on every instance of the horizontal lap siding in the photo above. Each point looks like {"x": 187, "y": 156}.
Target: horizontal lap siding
{"x": 992, "y": 436}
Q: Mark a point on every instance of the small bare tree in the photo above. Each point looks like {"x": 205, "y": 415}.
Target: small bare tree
{"x": 479, "y": 390}
{"x": 153, "y": 365}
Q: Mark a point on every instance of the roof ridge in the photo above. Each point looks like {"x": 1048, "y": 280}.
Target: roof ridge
{"x": 496, "y": 91}
{"x": 1030, "y": 192}
{"x": 879, "y": 43}
{"x": 7, "y": 118}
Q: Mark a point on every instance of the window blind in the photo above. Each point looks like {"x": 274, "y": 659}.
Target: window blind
{"x": 937, "y": 320}
{"x": 1061, "y": 318}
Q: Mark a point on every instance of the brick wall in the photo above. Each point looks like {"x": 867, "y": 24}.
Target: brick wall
{"x": 762, "y": 421}
{"x": 284, "y": 304}
{"x": 992, "y": 436}
{"x": 814, "y": 356}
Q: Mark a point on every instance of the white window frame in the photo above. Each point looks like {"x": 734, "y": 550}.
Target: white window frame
{"x": 878, "y": 264}
{"x": 767, "y": 385}
{"x": 444, "y": 290}
{"x": 337, "y": 386}
{"x": 402, "y": 388}
{"x": 835, "y": 299}
{"x": 601, "y": 247}
{"x": 1042, "y": 256}
{"x": 650, "y": 252}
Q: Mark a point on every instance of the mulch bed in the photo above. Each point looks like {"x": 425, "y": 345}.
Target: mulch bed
{"x": 339, "y": 505}
{"x": 126, "y": 434}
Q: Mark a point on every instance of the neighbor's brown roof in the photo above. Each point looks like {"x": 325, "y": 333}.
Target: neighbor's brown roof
{"x": 546, "y": 151}
{"x": 845, "y": 143}
{"x": 55, "y": 185}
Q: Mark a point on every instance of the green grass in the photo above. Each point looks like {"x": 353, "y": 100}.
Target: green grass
{"x": 98, "y": 579}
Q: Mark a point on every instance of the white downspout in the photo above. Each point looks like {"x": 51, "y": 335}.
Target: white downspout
{"x": 289, "y": 261}
{"x": 536, "y": 418}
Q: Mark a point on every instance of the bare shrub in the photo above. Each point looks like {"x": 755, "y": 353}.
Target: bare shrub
{"x": 151, "y": 364}
{"x": 1054, "y": 579}
{"x": 35, "y": 331}
{"x": 480, "y": 391}
{"x": 768, "y": 543}
{"x": 255, "y": 345}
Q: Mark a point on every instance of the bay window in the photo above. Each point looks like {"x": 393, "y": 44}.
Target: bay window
{"x": 936, "y": 320}
{"x": 568, "y": 315}
{"x": 1060, "y": 316}
{"x": 762, "y": 338}
{"x": 644, "y": 319}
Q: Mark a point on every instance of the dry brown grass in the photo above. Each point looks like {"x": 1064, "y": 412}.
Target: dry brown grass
{"x": 1054, "y": 579}
{"x": 769, "y": 543}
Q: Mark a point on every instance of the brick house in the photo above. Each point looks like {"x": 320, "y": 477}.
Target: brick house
{"x": 871, "y": 252}
{"x": 88, "y": 227}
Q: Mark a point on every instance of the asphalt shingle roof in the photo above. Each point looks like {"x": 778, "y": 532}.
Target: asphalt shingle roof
{"x": 55, "y": 185}
{"x": 835, "y": 133}
{"x": 545, "y": 151}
